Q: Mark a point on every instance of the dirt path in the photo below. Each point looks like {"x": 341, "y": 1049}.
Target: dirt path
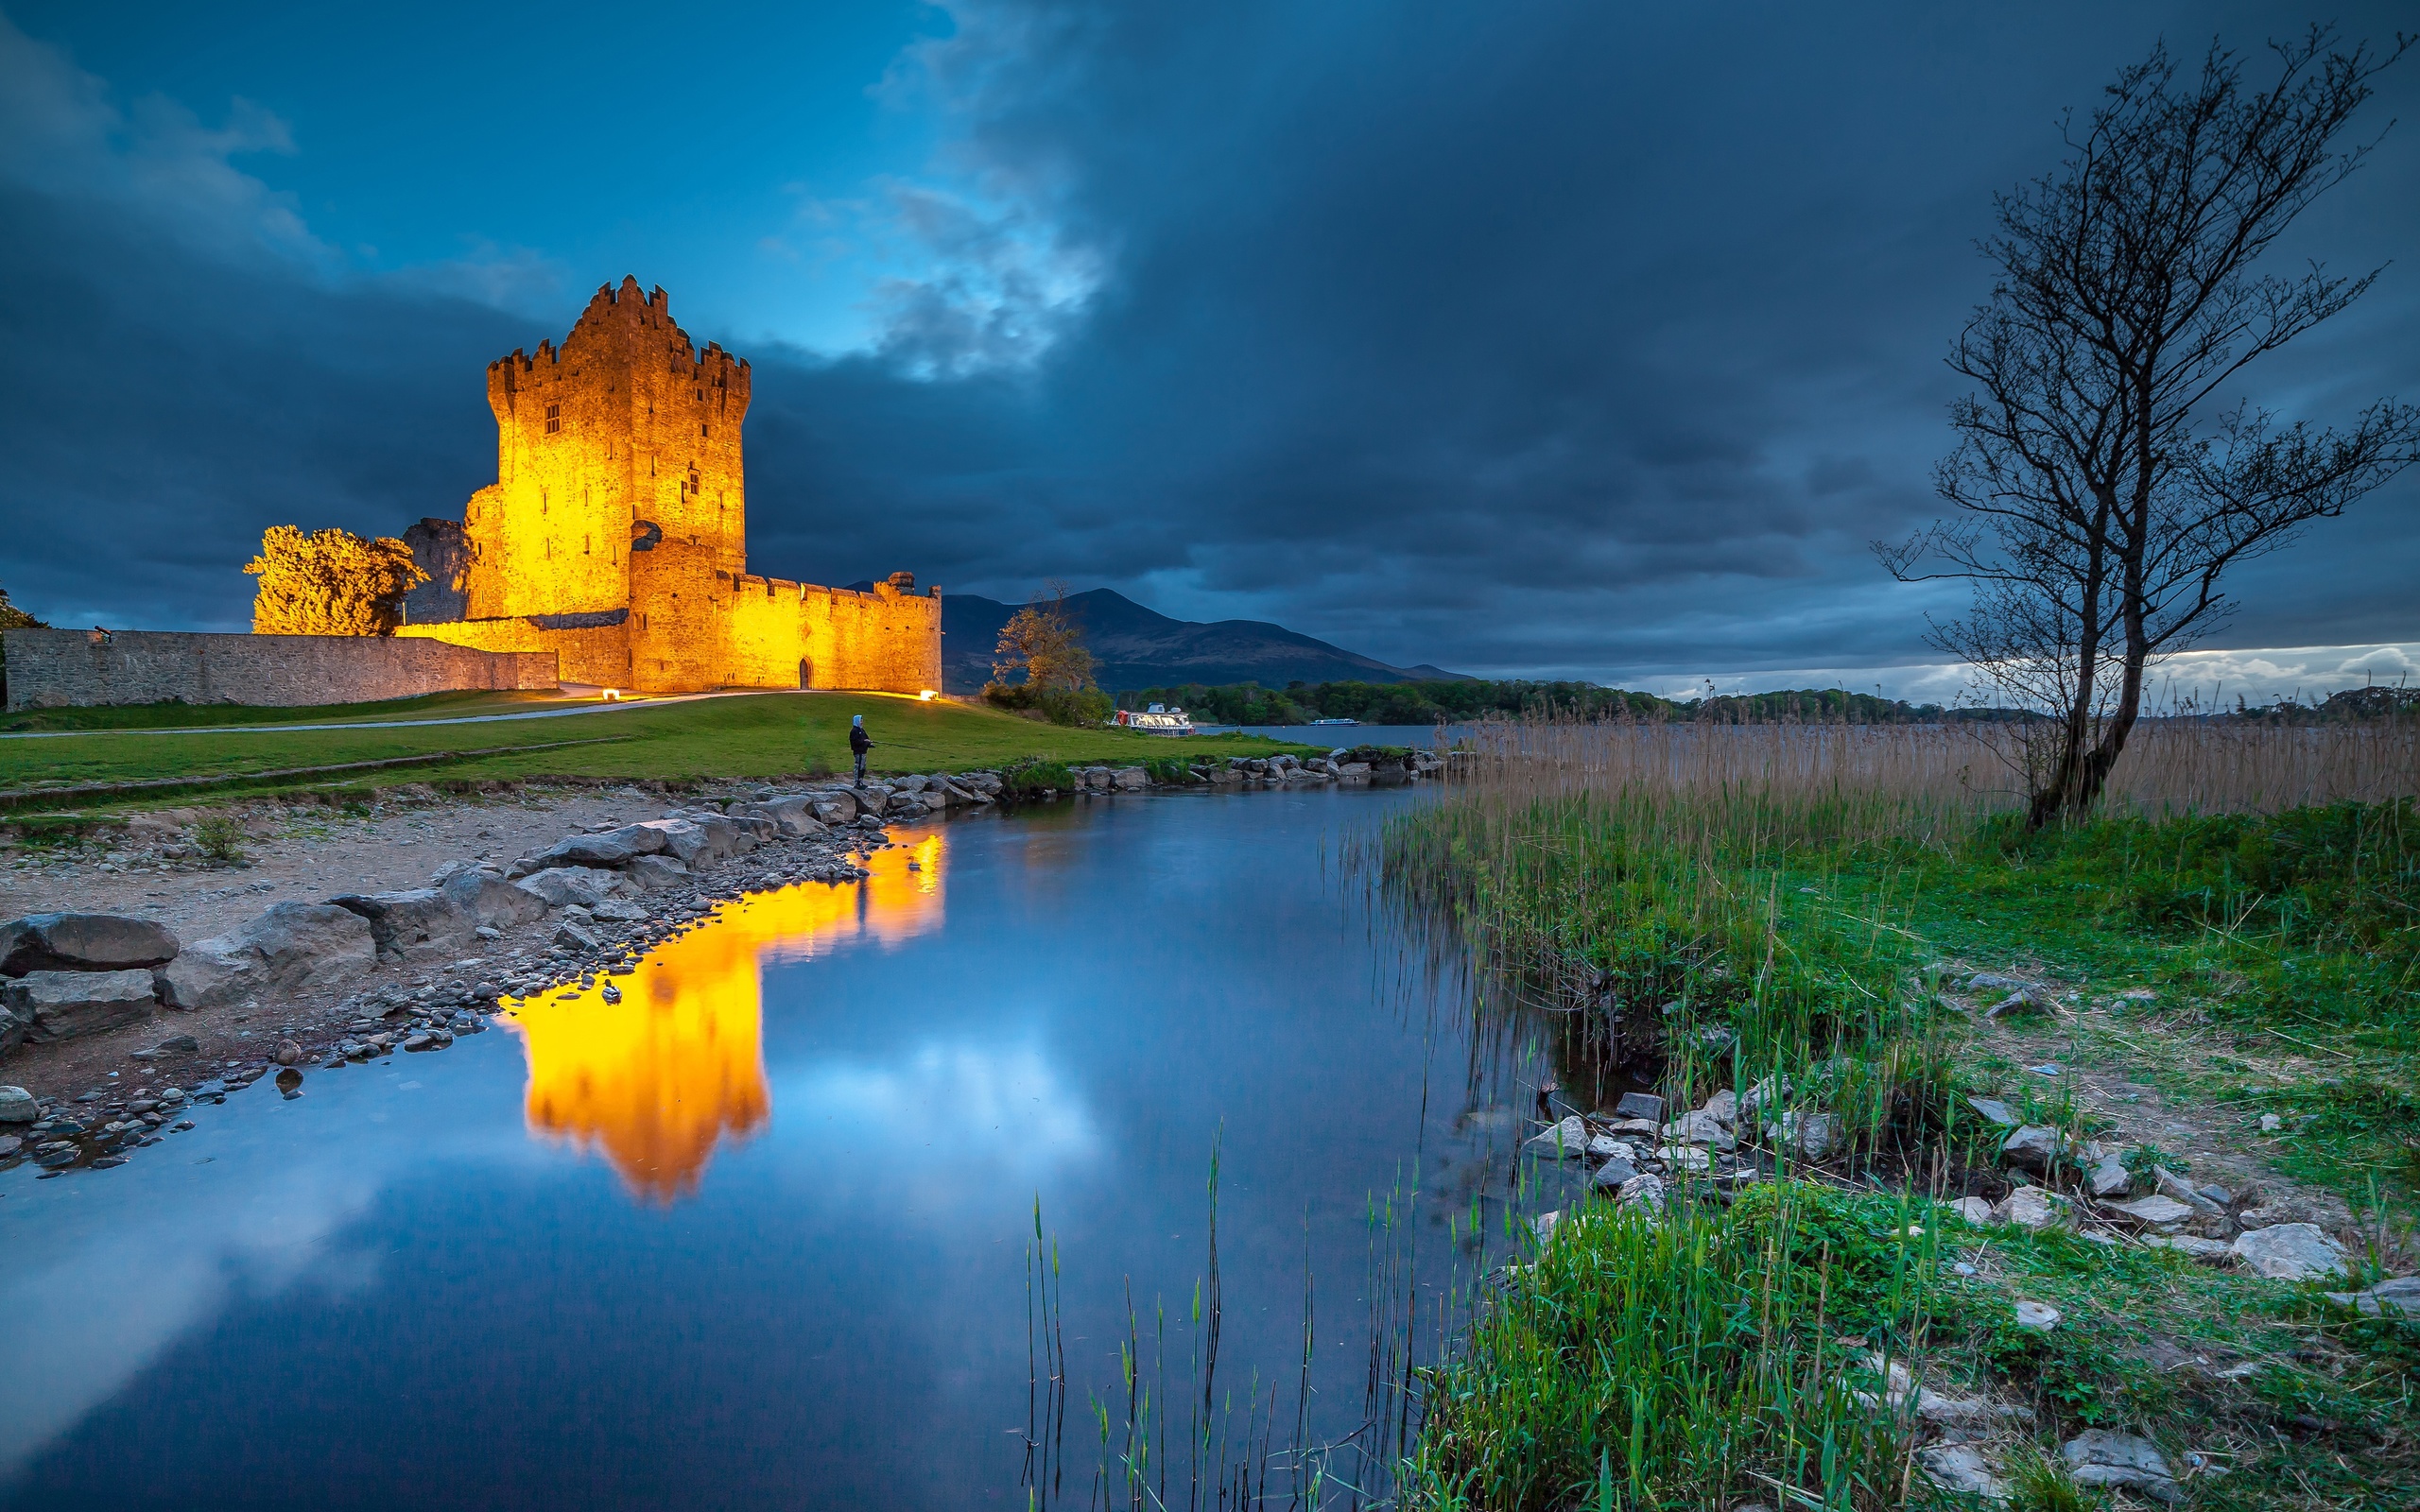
{"x": 615, "y": 707}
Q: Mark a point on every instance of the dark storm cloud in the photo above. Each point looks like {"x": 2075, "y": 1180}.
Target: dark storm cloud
{"x": 1512, "y": 336}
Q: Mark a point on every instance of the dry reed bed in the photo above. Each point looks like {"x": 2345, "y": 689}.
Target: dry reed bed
{"x": 1913, "y": 781}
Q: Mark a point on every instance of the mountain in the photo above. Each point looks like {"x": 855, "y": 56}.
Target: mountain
{"x": 1133, "y": 647}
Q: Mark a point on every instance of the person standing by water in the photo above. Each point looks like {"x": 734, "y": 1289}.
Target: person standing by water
{"x": 859, "y": 742}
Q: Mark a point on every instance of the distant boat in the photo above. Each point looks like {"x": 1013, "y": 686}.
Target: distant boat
{"x": 1159, "y": 719}
{"x": 1335, "y": 721}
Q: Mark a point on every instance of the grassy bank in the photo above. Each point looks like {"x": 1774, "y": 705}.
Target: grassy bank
{"x": 1739, "y": 918}
{"x": 756, "y": 736}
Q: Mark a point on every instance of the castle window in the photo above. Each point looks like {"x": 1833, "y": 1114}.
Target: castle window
{"x": 554, "y": 419}
{"x": 701, "y": 430}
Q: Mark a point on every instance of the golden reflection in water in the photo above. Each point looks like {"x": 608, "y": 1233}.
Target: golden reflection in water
{"x": 656, "y": 1080}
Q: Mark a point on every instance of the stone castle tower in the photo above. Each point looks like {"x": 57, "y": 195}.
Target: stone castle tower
{"x": 616, "y": 531}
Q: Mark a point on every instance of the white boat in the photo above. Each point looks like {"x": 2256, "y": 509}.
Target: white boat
{"x": 1159, "y": 719}
{"x": 1335, "y": 721}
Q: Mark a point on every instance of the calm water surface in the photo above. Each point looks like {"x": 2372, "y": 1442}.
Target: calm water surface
{"x": 757, "y": 1236}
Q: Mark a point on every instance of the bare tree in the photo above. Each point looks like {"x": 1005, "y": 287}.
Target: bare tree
{"x": 2101, "y": 509}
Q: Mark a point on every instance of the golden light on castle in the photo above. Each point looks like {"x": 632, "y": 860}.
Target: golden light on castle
{"x": 658, "y": 1081}
{"x": 616, "y": 535}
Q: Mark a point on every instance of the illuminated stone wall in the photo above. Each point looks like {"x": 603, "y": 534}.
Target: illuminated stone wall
{"x": 620, "y": 493}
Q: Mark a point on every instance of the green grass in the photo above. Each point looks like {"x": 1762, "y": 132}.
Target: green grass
{"x": 758, "y": 735}
{"x": 1682, "y": 1365}
{"x": 223, "y": 716}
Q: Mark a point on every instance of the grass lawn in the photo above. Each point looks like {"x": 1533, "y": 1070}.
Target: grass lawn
{"x": 219, "y": 715}
{"x": 753, "y": 735}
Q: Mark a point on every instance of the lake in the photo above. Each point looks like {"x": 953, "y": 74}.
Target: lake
{"x": 762, "y": 1233}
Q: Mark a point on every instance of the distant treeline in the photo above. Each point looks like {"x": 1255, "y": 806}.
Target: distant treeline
{"x": 1457, "y": 701}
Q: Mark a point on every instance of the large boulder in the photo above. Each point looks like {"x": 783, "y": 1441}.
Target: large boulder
{"x": 421, "y": 922}
{"x": 701, "y": 839}
{"x": 790, "y": 814}
{"x": 82, "y": 942}
{"x": 291, "y": 948}
{"x": 655, "y": 874}
{"x": 485, "y": 898}
{"x": 836, "y": 806}
{"x": 562, "y": 886}
{"x": 614, "y": 847}
{"x": 1130, "y": 780}
{"x": 50, "y": 1005}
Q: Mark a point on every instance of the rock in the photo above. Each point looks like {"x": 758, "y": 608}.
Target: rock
{"x": 2292, "y": 1252}
{"x": 570, "y": 934}
{"x": 2033, "y": 1207}
{"x": 2400, "y": 1296}
{"x": 619, "y": 911}
{"x": 1644, "y": 1190}
{"x": 564, "y": 886}
{"x": 1685, "y": 1157}
{"x": 483, "y": 895}
{"x": 836, "y": 807}
{"x": 790, "y": 814}
{"x": 1699, "y": 1128}
{"x": 701, "y": 840}
{"x": 2033, "y": 1147}
{"x": 2208, "y": 1251}
{"x": 2039, "y": 1316}
{"x": 614, "y": 848}
{"x": 18, "y": 1106}
{"x": 1723, "y": 1108}
{"x": 2271, "y": 1123}
{"x": 2168, "y": 1184}
{"x": 83, "y": 942}
{"x": 1606, "y": 1148}
{"x": 1993, "y": 1111}
{"x": 1542, "y": 1226}
{"x": 178, "y": 1044}
{"x": 288, "y": 1053}
{"x": 1974, "y": 1212}
{"x": 1130, "y": 780}
{"x": 1640, "y": 1105}
{"x": 1816, "y": 1136}
{"x": 1568, "y": 1140}
{"x": 2109, "y": 1176}
{"x": 2154, "y": 1211}
{"x": 420, "y": 922}
{"x": 2099, "y": 1457}
{"x": 1614, "y": 1174}
{"x": 291, "y": 948}
{"x": 1963, "y": 1468}
{"x": 655, "y": 874}
{"x": 54, "y": 1005}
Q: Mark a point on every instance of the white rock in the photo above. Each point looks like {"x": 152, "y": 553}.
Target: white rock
{"x": 1993, "y": 1111}
{"x": 68, "y": 1004}
{"x": 2033, "y": 1147}
{"x": 2109, "y": 1176}
{"x": 2033, "y": 1207}
{"x": 1542, "y": 1226}
{"x": 1685, "y": 1157}
{"x": 2099, "y": 1457}
{"x": 2292, "y": 1252}
{"x": 1645, "y": 1191}
{"x": 563, "y": 886}
{"x": 1723, "y": 1108}
{"x": 2271, "y": 1123}
{"x": 1606, "y": 1148}
{"x": 2155, "y": 1212}
{"x": 2208, "y": 1251}
{"x": 1567, "y": 1140}
{"x": 1975, "y": 1212}
{"x": 1700, "y": 1128}
{"x": 2039, "y": 1316}
{"x": 291, "y": 948}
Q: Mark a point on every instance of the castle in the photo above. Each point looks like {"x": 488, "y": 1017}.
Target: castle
{"x": 615, "y": 533}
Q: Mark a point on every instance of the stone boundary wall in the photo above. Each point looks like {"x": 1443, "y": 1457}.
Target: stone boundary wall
{"x": 51, "y": 669}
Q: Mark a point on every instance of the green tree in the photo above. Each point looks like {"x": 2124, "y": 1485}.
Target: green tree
{"x": 330, "y": 582}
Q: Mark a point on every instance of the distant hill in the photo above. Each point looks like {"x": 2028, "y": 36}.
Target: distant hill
{"x": 1133, "y": 647}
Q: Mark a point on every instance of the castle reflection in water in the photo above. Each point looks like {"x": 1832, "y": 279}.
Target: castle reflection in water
{"x": 656, "y": 1081}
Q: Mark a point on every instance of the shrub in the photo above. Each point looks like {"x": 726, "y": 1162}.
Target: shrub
{"x": 220, "y": 840}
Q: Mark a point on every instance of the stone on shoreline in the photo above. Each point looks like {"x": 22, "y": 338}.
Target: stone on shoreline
{"x": 483, "y": 895}
{"x": 1564, "y": 1141}
{"x": 422, "y": 920}
{"x": 18, "y": 1106}
{"x": 53, "y": 1005}
{"x": 83, "y": 942}
{"x": 614, "y": 847}
{"x": 292, "y": 948}
{"x": 567, "y": 886}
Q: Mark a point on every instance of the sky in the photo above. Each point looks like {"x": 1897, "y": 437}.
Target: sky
{"x": 1538, "y": 337}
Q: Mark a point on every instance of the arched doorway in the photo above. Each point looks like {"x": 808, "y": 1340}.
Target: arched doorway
{"x": 806, "y": 673}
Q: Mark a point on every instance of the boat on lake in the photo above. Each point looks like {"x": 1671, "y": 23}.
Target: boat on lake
{"x": 1159, "y": 719}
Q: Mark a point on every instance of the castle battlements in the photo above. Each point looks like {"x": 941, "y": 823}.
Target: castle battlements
{"x": 621, "y": 493}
